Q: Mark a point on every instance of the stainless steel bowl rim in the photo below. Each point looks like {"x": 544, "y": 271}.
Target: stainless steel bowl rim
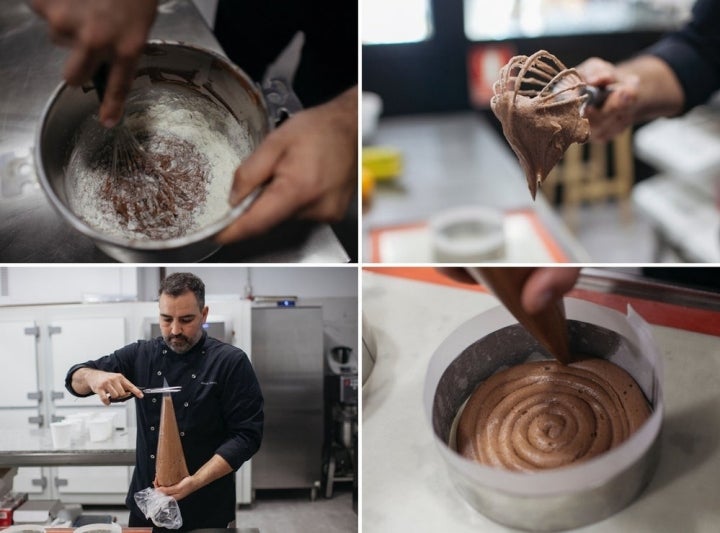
{"x": 203, "y": 233}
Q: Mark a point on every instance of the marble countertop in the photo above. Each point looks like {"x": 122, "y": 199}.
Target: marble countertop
{"x": 406, "y": 486}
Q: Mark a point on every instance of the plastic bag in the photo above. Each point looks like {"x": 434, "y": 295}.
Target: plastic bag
{"x": 163, "y": 510}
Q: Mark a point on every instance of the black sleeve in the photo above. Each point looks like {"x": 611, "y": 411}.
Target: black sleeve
{"x": 242, "y": 404}
{"x": 693, "y": 53}
{"x": 119, "y": 361}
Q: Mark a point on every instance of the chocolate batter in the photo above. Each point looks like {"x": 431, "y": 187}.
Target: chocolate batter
{"x": 159, "y": 197}
{"x": 539, "y": 103}
{"x": 544, "y": 414}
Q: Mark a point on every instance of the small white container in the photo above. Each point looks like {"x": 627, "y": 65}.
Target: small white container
{"x": 468, "y": 235}
{"x": 100, "y": 429}
{"x": 62, "y": 433}
{"x": 78, "y": 427}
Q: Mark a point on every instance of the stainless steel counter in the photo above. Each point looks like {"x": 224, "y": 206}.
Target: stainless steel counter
{"x": 449, "y": 161}
{"x": 33, "y": 447}
{"x": 30, "y": 229}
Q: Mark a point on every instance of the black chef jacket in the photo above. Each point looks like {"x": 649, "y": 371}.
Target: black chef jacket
{"x": 219, "y": 411}
{"x": 693, "y": 53}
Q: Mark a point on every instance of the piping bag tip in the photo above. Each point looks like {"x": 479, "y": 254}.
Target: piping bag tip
{"x": 549, "y": 327}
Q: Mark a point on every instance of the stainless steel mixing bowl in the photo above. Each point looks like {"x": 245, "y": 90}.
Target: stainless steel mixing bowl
{"x": 556, "y": 499}
{"x": 162, "y": 63}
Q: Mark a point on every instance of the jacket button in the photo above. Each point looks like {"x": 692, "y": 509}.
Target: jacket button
{"x": 152, "y": 428}
{"x": 159, "y": 373}
{"x": 152, "y": 456}
{"x": 182, "y": 433}
{"x": 194, "y": 376}
{"x": 186, "y": 404}
{"x": 164, "y": 352}
{"x": 154, "y": 400}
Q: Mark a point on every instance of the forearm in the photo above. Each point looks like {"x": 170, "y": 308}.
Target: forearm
{"x": 80, "y": 381}
{"x": 215, "y": 468}
{"x": 659, "y": 93}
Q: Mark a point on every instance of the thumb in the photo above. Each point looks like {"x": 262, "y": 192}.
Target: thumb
{"x": 257, "y": 168}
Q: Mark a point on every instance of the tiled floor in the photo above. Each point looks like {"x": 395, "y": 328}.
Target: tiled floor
{"x": 288, "y": 512}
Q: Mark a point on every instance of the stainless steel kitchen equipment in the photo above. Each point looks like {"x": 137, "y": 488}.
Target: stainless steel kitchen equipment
{"x": 287, "y": 354}
{"x": 341, "y": 419}
{"x": 166, "y": 65}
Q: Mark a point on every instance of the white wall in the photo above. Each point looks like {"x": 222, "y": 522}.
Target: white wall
{"x": 303, "y": 282}
{"x": 36, "y": 285}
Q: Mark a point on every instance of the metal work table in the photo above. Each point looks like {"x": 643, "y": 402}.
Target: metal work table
{"x": 30, "y": 229}
{"x": 454, "y": 160}
{"x": 406, "y": 486}
{"x": 33, "y": 447}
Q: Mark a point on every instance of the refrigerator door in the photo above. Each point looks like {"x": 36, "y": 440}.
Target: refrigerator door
{"x": 287, "y": 354}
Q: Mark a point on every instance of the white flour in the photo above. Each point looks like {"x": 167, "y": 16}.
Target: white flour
{"x": 164, "y": 114}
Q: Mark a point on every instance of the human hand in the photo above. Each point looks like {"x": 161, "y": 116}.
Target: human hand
{"x": 309, "y": 164}
{"x": 544, "y": 286}
{"x": 180, "y": 490}
{"x": 110, "y": 385}
{"x": 618, "y": 112}
{"x": 100, "y": 31}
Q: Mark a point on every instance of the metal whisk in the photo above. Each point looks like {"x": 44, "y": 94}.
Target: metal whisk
{"x": 540, "y": 103}
{"x": 145, "y": 196}
{"x": 129, "y": 158}
{"x": 541, "y": 76}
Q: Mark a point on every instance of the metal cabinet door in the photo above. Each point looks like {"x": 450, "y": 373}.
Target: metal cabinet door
{"x": 92, "y": 484}
{"x": 74, "y": 341}
{"x": 18, "y": 379}
{"x": 78, "y": 340}
{"x": 287, "y": 354}
{"x": 18, "y": 360}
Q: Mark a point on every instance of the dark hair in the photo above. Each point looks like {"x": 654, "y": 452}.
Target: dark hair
{"x": 181, "y": 282}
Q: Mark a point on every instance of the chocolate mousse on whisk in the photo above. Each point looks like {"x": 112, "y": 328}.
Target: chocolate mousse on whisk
{"x": 539, "y": 103}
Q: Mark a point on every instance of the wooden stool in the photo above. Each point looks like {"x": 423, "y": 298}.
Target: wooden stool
{"x": 595, "y": 172}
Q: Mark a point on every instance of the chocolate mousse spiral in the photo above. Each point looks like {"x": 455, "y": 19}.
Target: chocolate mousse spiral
{"x": 543, "y": 414}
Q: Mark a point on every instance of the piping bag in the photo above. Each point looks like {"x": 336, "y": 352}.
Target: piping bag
{"x": 548, "y": 327}
{"x": 170, "y": 468}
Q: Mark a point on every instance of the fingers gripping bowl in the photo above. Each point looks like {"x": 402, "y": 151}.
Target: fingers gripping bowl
{"x": 196, "y": 115}
{"x": 556, "y": 498}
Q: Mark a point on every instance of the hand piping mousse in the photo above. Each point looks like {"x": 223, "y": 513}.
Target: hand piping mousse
{"x": 170, "y": 467}
{"x": 544, "y": 414}
{"x": 539, "y": 103}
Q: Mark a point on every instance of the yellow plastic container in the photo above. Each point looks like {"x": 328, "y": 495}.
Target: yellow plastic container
{"x": 384, "y": 162}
